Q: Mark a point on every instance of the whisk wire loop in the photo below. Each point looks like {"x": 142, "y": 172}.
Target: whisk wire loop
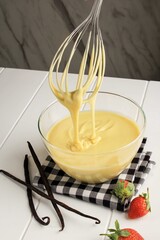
{"x": 93, "y": 57}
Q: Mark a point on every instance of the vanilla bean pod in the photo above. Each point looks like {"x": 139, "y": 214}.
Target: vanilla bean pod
{"x": 46, "y": 184}
{"x": 42, "y": 194}
{"x": 44, "y": 220}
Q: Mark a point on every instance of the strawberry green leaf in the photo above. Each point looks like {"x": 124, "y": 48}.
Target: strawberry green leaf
{"x": 124, "y": 233}
{"x": 111, "y": 230}
{"x": 117, "y": 226}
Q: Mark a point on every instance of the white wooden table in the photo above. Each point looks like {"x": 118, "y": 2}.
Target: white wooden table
{"x": 23, "y": 95}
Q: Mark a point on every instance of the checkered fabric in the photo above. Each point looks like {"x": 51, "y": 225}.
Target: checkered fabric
{"x": 101, "y": 193}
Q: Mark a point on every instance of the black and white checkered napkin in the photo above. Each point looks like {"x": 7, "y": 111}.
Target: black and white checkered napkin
{"x": 101, "y": 193}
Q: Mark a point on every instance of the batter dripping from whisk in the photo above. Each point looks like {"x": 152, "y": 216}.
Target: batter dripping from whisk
{"x": 88, "y": 137}
{"x": 74, "y": 100}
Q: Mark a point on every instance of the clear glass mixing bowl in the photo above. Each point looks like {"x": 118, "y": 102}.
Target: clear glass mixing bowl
{"x": 100, "y": 166}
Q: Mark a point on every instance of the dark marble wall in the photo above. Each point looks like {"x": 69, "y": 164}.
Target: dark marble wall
{"x": 32, "y": 30}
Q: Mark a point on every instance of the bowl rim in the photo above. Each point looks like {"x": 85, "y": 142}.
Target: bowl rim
{"x": 102, "y": 153}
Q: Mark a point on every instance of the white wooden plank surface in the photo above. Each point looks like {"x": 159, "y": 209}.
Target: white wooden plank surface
{"x": 23, "y": 127}
{"x": 17, "y": 89}
{"x": 148, "y": 226}
{"x": 14, "y": 99}
{"x": 1, "y": 69}
{"x": 133, "y": 89}
{"x": 151, "y": 108}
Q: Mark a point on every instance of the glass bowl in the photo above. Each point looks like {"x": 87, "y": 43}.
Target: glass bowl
{"x": 95, "y": 167}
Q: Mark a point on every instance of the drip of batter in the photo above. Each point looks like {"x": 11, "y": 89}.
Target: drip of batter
{"x": 94, "y": 57}
{"x": 74, "y": 100}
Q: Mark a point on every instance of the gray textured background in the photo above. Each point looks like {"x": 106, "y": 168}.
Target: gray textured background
{"x": 32, "y": 30}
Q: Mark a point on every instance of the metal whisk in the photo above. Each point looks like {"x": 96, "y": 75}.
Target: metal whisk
{"x": 93, "y": 56}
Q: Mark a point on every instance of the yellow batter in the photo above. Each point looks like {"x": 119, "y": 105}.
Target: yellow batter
{"x": 113, "y": 131}
{"x": 101, "y": 158}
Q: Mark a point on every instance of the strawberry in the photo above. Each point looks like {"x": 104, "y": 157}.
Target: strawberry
{"x": 139, "y": 206}
{"x": 124, "y": 189}
{"x": 123, "y": 234}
